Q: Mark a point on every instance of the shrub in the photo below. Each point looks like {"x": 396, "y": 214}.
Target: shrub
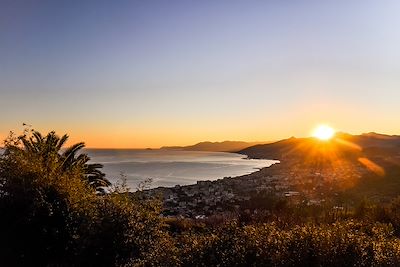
{"x": 54, "y": 217}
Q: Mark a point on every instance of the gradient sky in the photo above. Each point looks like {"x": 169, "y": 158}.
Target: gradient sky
{"x": 152, "y": 73}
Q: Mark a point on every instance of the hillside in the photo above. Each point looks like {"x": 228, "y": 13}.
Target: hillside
{"x": 226, "y": 146}
{"x": 343, "y": 144}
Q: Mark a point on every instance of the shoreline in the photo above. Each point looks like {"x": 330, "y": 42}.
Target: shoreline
{"x": 168, "y": 169}
{"x": 247, "y": 157}
{"x": 227, "y": 194}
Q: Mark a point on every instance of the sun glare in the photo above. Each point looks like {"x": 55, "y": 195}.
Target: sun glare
{"x": 324, "y": 132}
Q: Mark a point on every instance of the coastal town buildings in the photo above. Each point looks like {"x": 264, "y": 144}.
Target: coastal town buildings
{"x": 288, "y": 181}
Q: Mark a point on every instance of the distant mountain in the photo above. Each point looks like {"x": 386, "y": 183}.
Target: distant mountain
{"x": 342, "y": 144}
{"x": 371, "y": 140}
{"x": 226, "y": 146}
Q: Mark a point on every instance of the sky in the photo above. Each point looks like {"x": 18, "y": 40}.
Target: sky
{"x": 131, "y": 74}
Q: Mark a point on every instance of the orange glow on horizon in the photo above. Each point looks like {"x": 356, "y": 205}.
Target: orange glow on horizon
{"x": 145, "y": 135}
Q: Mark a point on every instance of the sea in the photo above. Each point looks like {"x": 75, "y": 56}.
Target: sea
{"x": 168, "y": 168}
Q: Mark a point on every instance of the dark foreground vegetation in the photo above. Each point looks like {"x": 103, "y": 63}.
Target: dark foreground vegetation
{"x": 57, "y": 209}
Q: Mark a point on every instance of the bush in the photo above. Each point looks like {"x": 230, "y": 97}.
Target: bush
{"x": 340, "y": 244}
{"x": 54, "y": 217}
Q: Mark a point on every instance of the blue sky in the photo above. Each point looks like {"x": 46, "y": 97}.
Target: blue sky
{"x": 150, "y": 73}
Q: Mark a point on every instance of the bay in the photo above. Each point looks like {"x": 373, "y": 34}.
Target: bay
{"x": 172, "y": 167}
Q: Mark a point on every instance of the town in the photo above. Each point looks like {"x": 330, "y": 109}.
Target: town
{"x": 288, "y": 180}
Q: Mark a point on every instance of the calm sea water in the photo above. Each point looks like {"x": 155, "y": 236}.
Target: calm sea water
{"x": 170, "y": 168}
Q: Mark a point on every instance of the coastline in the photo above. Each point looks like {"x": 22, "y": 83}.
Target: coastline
{"x": 205, "y": 198}
{"x": 256, "y": 170}
{"x": 170, "y": 168}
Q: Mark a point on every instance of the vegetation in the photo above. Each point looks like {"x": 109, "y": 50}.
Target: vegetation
{"x": 52, "y": 213}
{"x": 55, "y": 211}
{"x": 49, "y": 149}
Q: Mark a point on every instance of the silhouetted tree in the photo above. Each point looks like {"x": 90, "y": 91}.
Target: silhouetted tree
{"x": 51, "y": 146}
{"x": 50, "y": 216}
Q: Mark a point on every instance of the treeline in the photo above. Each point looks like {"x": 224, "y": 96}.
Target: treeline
{"x": 59, "y": 210}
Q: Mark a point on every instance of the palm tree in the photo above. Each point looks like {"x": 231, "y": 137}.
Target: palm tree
{"x": 51, "y": 146}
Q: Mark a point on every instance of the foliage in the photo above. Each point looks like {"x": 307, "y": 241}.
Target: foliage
{"x": 49, "y": 149}
{"x": 339, "y": 244}
{"x": 51, "y": 216}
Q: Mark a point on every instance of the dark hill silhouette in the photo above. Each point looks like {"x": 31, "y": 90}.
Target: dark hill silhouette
{"x": 343, "y": 144}
{"x": 226, "y": 146}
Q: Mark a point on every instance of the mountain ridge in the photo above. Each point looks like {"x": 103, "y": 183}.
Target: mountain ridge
{"x": 224, "y": 146}
{"x": 342, "y": 143}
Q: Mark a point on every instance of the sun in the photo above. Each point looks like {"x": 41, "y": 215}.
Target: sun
{"x": 324, "y": 132}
